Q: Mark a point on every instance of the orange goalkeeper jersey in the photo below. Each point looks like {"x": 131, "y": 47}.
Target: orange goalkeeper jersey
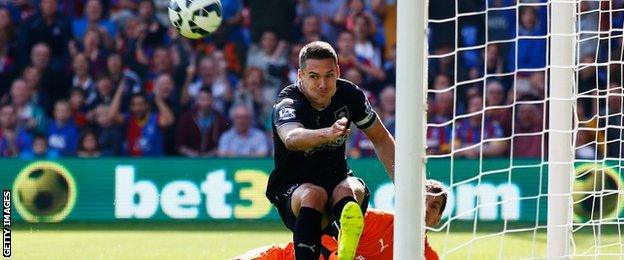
{"x": 375, "y": 244}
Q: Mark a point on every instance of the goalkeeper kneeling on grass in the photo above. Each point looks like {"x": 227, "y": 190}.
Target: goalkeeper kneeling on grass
{"x": 377, "y": 238}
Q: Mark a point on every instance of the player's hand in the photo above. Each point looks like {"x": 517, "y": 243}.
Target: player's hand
{"x": 339, "y": 128}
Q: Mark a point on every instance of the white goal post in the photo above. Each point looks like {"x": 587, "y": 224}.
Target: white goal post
{"x": 560, "y": 201}
{"x": 560, "y": 142}
{"x": 410, "y": 128}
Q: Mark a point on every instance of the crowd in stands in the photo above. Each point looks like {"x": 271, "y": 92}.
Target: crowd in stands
{"x": 488, "y": 77}
{"x": 92, "y": 78}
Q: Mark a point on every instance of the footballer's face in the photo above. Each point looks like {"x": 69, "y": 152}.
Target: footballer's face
{"x": 318, "y": 81}
{"x": 434, "y": 210}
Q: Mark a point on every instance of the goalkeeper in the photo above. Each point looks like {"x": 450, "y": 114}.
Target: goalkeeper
{"x": 377, "y": 238}
{"x": 311, "y": 185}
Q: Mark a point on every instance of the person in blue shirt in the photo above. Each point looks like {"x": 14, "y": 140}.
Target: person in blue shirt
{"x": 62, "y": 132}
{"x": 143, "y": 128}
{"x": 13, "y": 140}
{"x": 93, "y": 18}
{"x": 39, "y": 149}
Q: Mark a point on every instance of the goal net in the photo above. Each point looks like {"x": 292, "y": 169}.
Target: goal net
{"x": 524, "y": 127}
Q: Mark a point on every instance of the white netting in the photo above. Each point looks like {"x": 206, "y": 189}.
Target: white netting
{"x": 487, "y": 133}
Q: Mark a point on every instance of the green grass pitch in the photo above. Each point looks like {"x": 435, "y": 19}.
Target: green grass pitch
{"x": 223, "y": 241}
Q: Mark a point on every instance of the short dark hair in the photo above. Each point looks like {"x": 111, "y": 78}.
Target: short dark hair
{"x": 139, "y": 95}
{"x": 317, "y": 50}
{"x": 435, "y": 188}
{"x": 78, "y": 90}
{"x": 206, "y": 89}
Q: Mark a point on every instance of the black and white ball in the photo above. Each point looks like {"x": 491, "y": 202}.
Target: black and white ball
{"x": 195, "y": 18}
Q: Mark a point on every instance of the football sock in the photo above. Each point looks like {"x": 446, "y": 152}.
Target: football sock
{"x": 307, "y": 234}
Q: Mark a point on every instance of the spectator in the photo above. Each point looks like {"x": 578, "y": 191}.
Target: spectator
{"x": 495, "y": 97}
{"x": 32, "y": 77}
{"x": 531, "y": 53}
{"x": 214, "y": 76}
{"x": 20, "y": 9}
{"x": 78, "y": 106}
{"x": 13, "y": 140}
{"x": 468, "y": 133}
{"x": 122, "y": 12}
{"x": 150, "y": 26}
{"x": 110, "y": 138}
{"x": 440, "y": 129}
{"x": 39, "y": 149}
{"x": 233, "y": 22}
{"x": 104, "y": 93}
{"x": 389, "y": 67}
{"x": 292, "y": 67}
{"x": 368, "y": 55}
{"x": 89, "y": 147}
{"x": 324, "y": 10}
{"x": 311, "y": 29}
{"x": 387, "y": 102}
{"x": 161, "y": 63}
{"x": 62, "y": 132}
{"x": 387, "y": 11}
{"x": 163, "y": 87}
{"x": 143, "y": 134}
{"x": 47, "y": 26}
{"x": 82, "y": 79}
{"x": 346, "y": 50}
{"x": 345, "y": 17}
{"x": 267, "y": 56}
{"x": 56, "y": 86}
{"x": 501, "y": 20}
{"x": 7, "y": 29}
{"x": 92, "y": 47}
{"x": 30, "y": 117}
{"x": 495, "y": 62}
{"x": 200, "y": 128}
{"x": 118, "y": 74}
{"x": 7, "y": 50}
{"x": 93, "y": 18}
{"x": 243, "y": 140}
{"x": 528, "y": 138}
{"x": 361, "y": 146}
{"x": 253, "y": 94}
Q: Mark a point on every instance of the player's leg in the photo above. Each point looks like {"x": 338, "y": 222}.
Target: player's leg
{"x": 346, "y": 198}
{"x": 308, "y": 203}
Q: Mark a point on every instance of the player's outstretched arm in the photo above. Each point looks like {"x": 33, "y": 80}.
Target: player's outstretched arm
{"x": 297, "y": 138}
{"x": 384, "y": 145}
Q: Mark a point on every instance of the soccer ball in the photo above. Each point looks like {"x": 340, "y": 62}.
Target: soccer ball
{"x": 195, "y": 19}
{"x": 595, "y": 193}
{"x": 43, "y": 193}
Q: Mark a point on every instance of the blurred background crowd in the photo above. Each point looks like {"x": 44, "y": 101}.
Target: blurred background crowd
{"x": 94, "y": 78}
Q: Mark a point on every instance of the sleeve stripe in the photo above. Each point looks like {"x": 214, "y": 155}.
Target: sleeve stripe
{"x": 367, "y": 120}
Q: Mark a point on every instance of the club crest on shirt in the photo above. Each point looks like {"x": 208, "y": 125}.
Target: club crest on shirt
{"x": 342, "y": 112}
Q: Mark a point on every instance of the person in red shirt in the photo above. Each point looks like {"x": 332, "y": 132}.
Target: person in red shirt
{"x": 377, "y": 237}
